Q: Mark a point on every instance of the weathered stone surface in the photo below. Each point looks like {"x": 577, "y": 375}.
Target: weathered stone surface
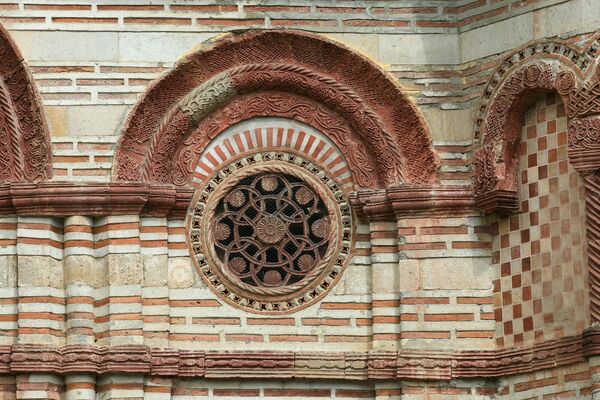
{"x": 457, "y": 273}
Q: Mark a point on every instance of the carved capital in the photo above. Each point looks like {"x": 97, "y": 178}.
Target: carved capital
{"x": 500, "y": 201}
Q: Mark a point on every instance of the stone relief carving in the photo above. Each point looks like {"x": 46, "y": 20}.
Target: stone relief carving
{"x": 271, "y": 232}
{"x": 386, "y": 125}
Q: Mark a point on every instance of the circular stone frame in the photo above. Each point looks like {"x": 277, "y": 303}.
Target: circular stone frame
{"x": 317, "y": 282}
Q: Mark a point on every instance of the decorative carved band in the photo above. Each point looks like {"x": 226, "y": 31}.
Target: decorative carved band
{"x": 25, "y": 151}
{"x": 567, "y": 53}
{"x": 591, "y": 182}
{"x": 378, "y": 365}
{"x": 412, "y": 200}
{"x": 63, "y": 199}
{"x": 281, "y": 104}
{"x": 388, "y": 127}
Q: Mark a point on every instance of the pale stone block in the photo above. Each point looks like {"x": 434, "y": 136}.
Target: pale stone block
{"x": 57, "y": 120}
{"x": 158, "y": 47}
{"x": 180, "y": 274}
{"x": 155, "y": 270}
{"x": 358, "y": 279}
{"x": 457, "y": 273}
{"x": 384, "y": 258}
{"x": 46, "y": 45}
{"x": 82, "y": 269}
{"x": 419, "y": 49}
{"x": 368, "y": 45}
{"x": 496, "y": 38}
{"x": 450, "y": 125}
{"x": 573, "y": 15}
{"x": 385, "y": 278}
{"x": 76, "y": 290}
{"x": 40, "y": 271}
{"x": 82, "y": 120}
{"x": 8, "y": 271}
{"x": 409, "y": 275}
{"x": 125, "y": 269}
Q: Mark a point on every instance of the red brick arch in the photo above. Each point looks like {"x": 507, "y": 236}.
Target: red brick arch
{"x": 25, "y": 152}
{"x": 292, "y": 72}
{"x": 497, "y": 159}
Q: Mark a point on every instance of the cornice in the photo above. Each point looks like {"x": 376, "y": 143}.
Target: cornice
{"x": 413, "y": 200}
{"x": 94, "y": 199}
{"x": 372, "y": 365}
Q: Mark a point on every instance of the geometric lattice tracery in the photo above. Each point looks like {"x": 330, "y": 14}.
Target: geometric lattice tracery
{"x": 271, "y": 232}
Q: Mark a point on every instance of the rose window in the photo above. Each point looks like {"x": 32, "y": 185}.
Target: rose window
{"x": 271, "y": 236}
{"x": 270, "y": 231}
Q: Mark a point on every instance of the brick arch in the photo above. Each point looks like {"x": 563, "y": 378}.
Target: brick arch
{"x": 380, "y": 117}
{"x": 25, "y": 152}
{"x": 496, "y": 166}
{"x": 541, "y": 67}
{"x": 544, "y": 66}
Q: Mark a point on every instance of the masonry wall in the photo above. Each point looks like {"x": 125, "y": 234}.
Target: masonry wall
{"x": 417, "y": 282}
{"x": 541, "y": 292}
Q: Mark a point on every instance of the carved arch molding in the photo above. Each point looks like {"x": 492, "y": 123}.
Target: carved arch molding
{"x": 282, "y": 73}
{"x": 25, "y": 153}
{"x": 575, "y": 75}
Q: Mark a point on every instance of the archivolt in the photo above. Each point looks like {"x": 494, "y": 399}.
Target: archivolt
{"x": 341, "y": 83}
{"x": 539, "y": 67}
{"x": 24, "y": 141}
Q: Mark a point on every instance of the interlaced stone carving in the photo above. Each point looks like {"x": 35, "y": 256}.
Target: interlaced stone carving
{"x": 266, "y": 232}
{"x": 271, "y": 232}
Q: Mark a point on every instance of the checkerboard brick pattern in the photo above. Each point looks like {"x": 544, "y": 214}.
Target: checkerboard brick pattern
{"x": 540, "y": 291}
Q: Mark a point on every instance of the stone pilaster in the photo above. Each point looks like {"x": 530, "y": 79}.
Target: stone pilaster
{"x": 80, "y": 273}
{"x": 385, "y": 300}
{"x": 41, "y": 307}
{"x": 80, "y": 387}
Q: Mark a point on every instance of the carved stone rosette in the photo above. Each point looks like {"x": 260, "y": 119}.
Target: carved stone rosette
{"x": 271, "y": 232}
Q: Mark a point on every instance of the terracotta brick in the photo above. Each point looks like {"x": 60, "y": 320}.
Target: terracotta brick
{"x": 426, "y": 335}
{"x": 230, "y": 22}
{"x": 244, "y": 338}
{"x": 425, "y": 300}
{"x": 370, "y": 22}
{"x": 277, "y": 9}
{"x": 208, "y": 8}
{"x": 130, "y": 7}
{"x": 444, "y": 230}
{"x": 157, "y": 21}
{"x": 449, "y": 317}
{"x": 346, "y": 306}
{"x": 297, "y": 393}
{"x": 52, "y": 7}
{"x": 82, "y": 20}
{"x": 436, "y": 24}
{"x": 216, "y": 321}
{"x": 475, "y": 334}
{"x": 326, "y": 321}
{"x": 292, "y": 338}
{"x": 303, "y": 22}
